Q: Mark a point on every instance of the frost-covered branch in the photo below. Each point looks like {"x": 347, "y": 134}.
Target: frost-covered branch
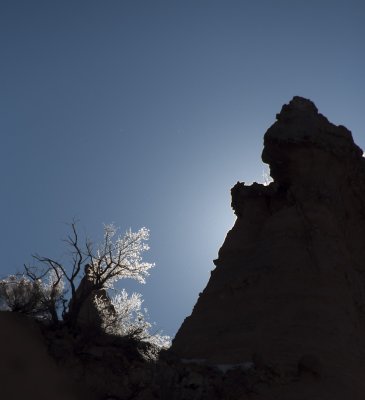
{"x": 127, "y": 318}
{"x": 90, "y": 272}
{"x": 119, "y": 257}
{"x": 32, "y": 296}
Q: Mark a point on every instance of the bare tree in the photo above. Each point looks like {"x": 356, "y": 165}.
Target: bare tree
{"x": 98, "y": 268}
{"x": 51, "y": 289}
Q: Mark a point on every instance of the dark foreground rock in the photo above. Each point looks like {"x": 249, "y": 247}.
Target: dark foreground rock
{"x": 41, "y": 363}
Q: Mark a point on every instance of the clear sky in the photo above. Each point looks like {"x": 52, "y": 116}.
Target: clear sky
{"x": 146, "y": 113}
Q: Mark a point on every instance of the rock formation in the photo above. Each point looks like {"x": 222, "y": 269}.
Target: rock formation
{"x": 282, "y": 316}
{"x": 83, "y": 306}
{"x": 288, "y": 289}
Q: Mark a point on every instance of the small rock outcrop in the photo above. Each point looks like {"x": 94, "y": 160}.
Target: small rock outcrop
{"x": 288, "y": 289}
{"x": 83, "y": 310}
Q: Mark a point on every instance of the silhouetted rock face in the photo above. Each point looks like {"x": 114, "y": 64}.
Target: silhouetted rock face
{"x": 288, "y": 290}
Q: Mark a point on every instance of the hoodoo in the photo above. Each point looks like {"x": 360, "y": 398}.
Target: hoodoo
{"x": 288, "y": 289}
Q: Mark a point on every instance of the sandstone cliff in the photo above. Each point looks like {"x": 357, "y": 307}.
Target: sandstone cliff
{"x": 288, "y": 289}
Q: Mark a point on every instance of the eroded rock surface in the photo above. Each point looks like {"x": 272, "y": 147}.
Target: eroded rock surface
{"x": 288, "y": 289}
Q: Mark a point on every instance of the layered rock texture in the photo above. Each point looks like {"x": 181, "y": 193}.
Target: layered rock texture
{"x": 288, "y": 289}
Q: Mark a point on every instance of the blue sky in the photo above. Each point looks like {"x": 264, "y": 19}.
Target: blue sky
{"x": 146, "y": 113}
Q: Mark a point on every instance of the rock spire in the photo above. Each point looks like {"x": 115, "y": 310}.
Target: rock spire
{"x": 288, "y": 289}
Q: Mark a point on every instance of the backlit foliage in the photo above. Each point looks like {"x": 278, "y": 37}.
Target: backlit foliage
{"x": 57, "y": 291}
{"x": 128, "y": 318}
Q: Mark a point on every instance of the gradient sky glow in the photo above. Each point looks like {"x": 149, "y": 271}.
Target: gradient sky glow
{"x": 147, "y": 112}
